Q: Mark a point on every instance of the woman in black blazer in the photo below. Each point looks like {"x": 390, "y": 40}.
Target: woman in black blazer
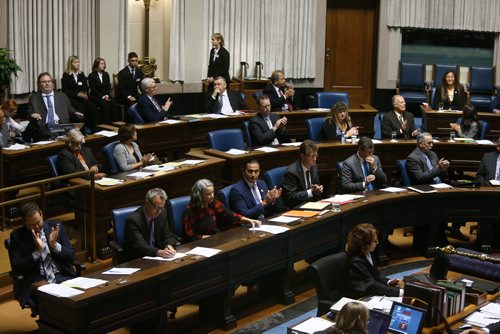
{"x": 450, "y": 93}
{"x": 218, "y": 63}
{"x": 100, "y": 92}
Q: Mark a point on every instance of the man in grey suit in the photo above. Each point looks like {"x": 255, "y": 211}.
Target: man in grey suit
{"x": 48, "y": 107}
{"x": 266, "y": 128}
{"x": 422, "y": 164}
{"x": 301, "y": 179}
{"x": 362, "y": 170}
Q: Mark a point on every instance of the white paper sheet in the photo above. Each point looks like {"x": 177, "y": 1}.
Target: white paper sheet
{"x": 158, "y": 168}
{"x": 273, "y": 229}
{"x": 203, "y": 251}
{"x": 492, "y": 308}
{"x": 284, "y": 219}
{"x": 376, "y": 141}
{"x": 43, "y": 142}
{"x": 342, "y": 198}
{"x": 266, "y": 149}
{"x": 107, "y": 133}
{"x": 482, "y": 319}
{"x": 16, "y": 147}
{"x": 170, "y": 121}
{"x": 235, "y": 151}
{"x": 495, "y": 182}
{"x": 106, "y": 181}
{"x": 138, "y": 175}
{"x": 83, "y": 282}
{"x": 394, "y": 189}
{"x": 441, "y": 186}
{"x": 292, "y": 144}
{"x": 59, "y": 290}
{"x": 484, "y": 142}
{"x": 192, "y": 162}
{"x": 312, "y": 325}
{"x": 121, "y": 271}
{"x": 215, "y": 116}
{"x": 159, "y": 258}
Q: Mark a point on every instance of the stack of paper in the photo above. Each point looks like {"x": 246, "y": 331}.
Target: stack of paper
{"x": 343, "y": 199}
{"x": 138, "y": 175}
{"x": 15, "y": 147}
{"x": 170, "y": 121}
{"x": 315, "y": 205}
{"x": 159, "y": 258}
{"x": 121, "y": 271}
{"x": 284, "y": 219}
{"x": 292, "y": 144}
{"x": 203, "y": 251}
{"x": 235, "y": 151}
{"x": 158, "y": 168}
{"x": 59, "y": 290}
{"x": 266, "y": 149}
{"x": 106, "y": 133}
{"x": 273, "y": 229}
{"x": 192, "y": 162}
{"x": 393, "y": 189}
{"x": 312, "y": 325}
{"x": 106, "y": 181}
{"x": 83, "y": 282}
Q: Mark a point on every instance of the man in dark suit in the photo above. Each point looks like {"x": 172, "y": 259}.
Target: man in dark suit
{"x": 279, "y": 93}
{"x": 489, "y": 169}
{"x": 129, "y": 79}
{"x": 362, "y": 171}
{"x": 41, "y": 251}
{"x": 266, "y": 128}
{"x": 495, "y": 104}
{"x": 399, "y": 120}
{"x": 146, "y": 229}
{"x": 223, "y": 101}
{"x": 148, "y": 106}
{"x": 48, "y": 107}
{"x": 422, "y": 164}
{"x": 301, "y": 179}
{"x": 250, "y": 196}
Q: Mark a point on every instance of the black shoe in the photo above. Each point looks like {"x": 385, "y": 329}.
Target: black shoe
{"x": 456, "y": 234}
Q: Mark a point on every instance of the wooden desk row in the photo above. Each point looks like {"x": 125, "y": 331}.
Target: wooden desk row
{"x": 245, "y": 256}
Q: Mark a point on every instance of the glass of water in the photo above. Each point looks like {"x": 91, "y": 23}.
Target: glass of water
{"x": 354, "y": 139}
{"x": 336, "y": 207}
{"x": 394, "y": 135}
{"x": 452, "y": 135}
{"x": 441, "y": 106}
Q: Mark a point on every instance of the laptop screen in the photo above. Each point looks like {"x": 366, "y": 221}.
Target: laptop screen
{"x": 378, "y": 322}
{"x": 406, "y": 319}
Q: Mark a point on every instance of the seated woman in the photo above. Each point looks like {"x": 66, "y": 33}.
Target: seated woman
{"x": 76, "y": 158}
{"x": 338, "y": 121}
{"x": 469, "y": 127}
{"x": 205, "y": 215}
{"x": 9, "y": 108}
{"x": 450, "y": 93}
{"x": 127, "y": 154}
{"x": 362, "y": 277}
{"x": 351, "y": 319}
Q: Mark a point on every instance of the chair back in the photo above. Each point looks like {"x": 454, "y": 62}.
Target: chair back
{"x": 175, "y": 209}
{"x": 246, "y": 134}
{"x": 223, "y": 196}
{"x": 52, "y": 163}
{"x": 15, "y": 278}
{"x": 405, "y": 178}
{"x": 377, "y": 125}
{"x": 432, "y": 104}
{"x": 256, "y": 96}
{"x": 274, "y": 177}
{"x": 226, "y": 139}
{"x": 119, "y": 217}
{"x": 327, "y": 276}
{"x": 438, "y": 71}
{"x": 108, "y": 152}
{"x": 328, "y": 99}
{"x": 411, "y": 82}
{"x": 481, "y": 79}
{"x": 134, "y": 113}
{"x": 314, "y": 127}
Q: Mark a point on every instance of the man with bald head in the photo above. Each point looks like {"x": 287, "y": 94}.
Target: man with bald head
{"x": 399, "y": 120}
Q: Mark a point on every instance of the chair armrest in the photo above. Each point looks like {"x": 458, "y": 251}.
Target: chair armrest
{"x": 116, "y": 246}
{"x": 79, "y": 267}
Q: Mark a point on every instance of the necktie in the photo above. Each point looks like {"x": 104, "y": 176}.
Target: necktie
{"x": 157, "y": 106}
{"x": 218, "y": 104}
{"x": 1, "y": 140}
{"x": 47, "y": 261}
{"x": 80, "y": 157}
{"x": 50, "y": 115}
{"x": 400, "y": 118}
{"x": 437, "y": 179}
{"x": 255, "y": 193}
{"x": 366, "y": 170}
{"x": 497, "y": 174}
{"x": 270, "y": 125}
{"x": 133, "y": 74}
{"x": 152, "y": 232}
{"x": 308, "y": 179}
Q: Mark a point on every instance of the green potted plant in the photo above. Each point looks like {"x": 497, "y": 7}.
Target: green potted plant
{"x": 8, "y": 66}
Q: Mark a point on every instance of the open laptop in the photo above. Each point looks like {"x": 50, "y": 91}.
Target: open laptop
{"x": 406, "y": 319}
{"x": 439, "y": 270}
{"x": 378, "y": 322}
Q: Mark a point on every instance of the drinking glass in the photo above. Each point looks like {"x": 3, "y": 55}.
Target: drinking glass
{"x": 336, "y": 207}
{"x": 452, "y": 135}
{"x": 394, "y": 135}
{"x": 440, "y": 106}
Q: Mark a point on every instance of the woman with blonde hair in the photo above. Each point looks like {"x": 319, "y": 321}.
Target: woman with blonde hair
{"x": 337, "y": 122}
{"x": 218, "y": 63}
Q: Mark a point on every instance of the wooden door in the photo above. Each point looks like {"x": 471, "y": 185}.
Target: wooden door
{"x": 350, "y": 54}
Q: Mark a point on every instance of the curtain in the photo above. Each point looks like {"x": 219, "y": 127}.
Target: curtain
{"x": 45, "y": 33}
{"x": 176, "y": 64}
{"x": 473, "y": 15}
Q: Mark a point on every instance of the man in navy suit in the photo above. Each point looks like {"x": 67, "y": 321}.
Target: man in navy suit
{"x": 266, "y": 128}
{"x": 224, "y": 101}
{"x": 148, "y": 106}
{"x": 250, "y": 196}
{"x": 279, "y": 93}
{"x": 129, "y": 79}
{"x": 41, "y": 251}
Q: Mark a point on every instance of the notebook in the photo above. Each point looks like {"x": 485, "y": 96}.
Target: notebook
{"x": 378, "y": 322}
{"x": 406, "y": 319}
{"x": 439, "y": 270}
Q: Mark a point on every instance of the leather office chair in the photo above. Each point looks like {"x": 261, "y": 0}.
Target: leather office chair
{"x": 52, "y": 162}
{"x": 405, "y": 178}
{"x": 226, "y": 139}
{"x": 377, "y": 125}
{"x": 481, "y": 87}
{"x": 175, "y": 210}
{"x": 328, "y": 99}
{"x": 438, "y": 71}
{"x": 223, "y": 196}
{"x": 314, "y": 127}
{"x": 327, "y": 276}
{"x": 274, "y": 177}
{"x": 108, "y": 152}
{"x": 119, "y": 217}
{"x": 136, "y": 117}
{"x": 246, "y": 134}
{"x": 485, "y": 127}
{"x": 411, "y": 83}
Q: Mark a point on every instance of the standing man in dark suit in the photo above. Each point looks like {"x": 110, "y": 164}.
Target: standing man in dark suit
{"x": 41, "y": 251}
{"x": 362, "y": 171}
{"x": 129, "y": 79}
{"x": 223, "y": 101}
{"x": 279, "y": 93}
{"x": 146, "y": 229}
{"x": 489, "y": 169}
{"x": 250, "y": 196}
{"x": 301, "y": 179}
{"x": 266, "y": 128}
{"x": 399, "y": 120}
{"x": 148, "y": 106}
{"x": 48, "y": 107}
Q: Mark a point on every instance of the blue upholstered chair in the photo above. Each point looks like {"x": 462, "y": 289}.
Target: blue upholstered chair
{"x": 246, "y": 134}
{"x": 485, "y": 127}
{"x": 411, "y": 83}
{"x": 432, "y": 104}
{"x": 405, "y": 178}
{"x": 377, "y": 125}
{"x": 223, "y": 196}
{"x": 481, "y": 86}
{"x": 108, "y": 152}
{"x": 136, "y": 117}
{"x": 274, "y": 177}
{"x": 438, "y": 70}
{"x": 52, "y": 162}
{"x": 314, "y": 127}
{"x": 175, "y": 210}
{"x": 256, "y": 96}
{"x": 119, "y": 217}
{"x": 328, "y": 99}
{"x": 226, "y": 139}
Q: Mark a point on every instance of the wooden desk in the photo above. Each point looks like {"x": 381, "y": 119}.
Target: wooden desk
{"x": 246, "y": 256}
{"x": 438, "y": 123}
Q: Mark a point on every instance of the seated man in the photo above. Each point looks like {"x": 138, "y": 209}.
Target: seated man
{"x": 279, "y": 93}
{"x": 129, "y": 79}
{"x": 148, "y": 106}
{"x": 266, "y": 128}
{"x": 250, "y": 196}
{"x": 146, "y": 229}
{"x": 76, "y": 158}
{"x": 4, "y": 131}
{"x": 41, "y": 251}
{"x": 224, "y": 101}
{"x": 362, "y": 170}
{"x": 301, "y": 179}
{"x": 399, "y": 120}
{"x": 495, "y": 104}
{"x": 48, "y": 107}
{"x": 489, "y": 169}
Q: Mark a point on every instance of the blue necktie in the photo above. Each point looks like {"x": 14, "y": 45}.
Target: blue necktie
{"x": 50, "y": 115}
{"x": 437, "y": 179}
{"x": 47, "y": 261}
{"x": 366, "y": 169}
{"x": 218, "y": 104}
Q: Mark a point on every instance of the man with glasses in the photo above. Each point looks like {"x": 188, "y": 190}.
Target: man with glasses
{"x": 147, "y": 232}
{"x": 148, "y": 106}
{"x": 301, "y": 179}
